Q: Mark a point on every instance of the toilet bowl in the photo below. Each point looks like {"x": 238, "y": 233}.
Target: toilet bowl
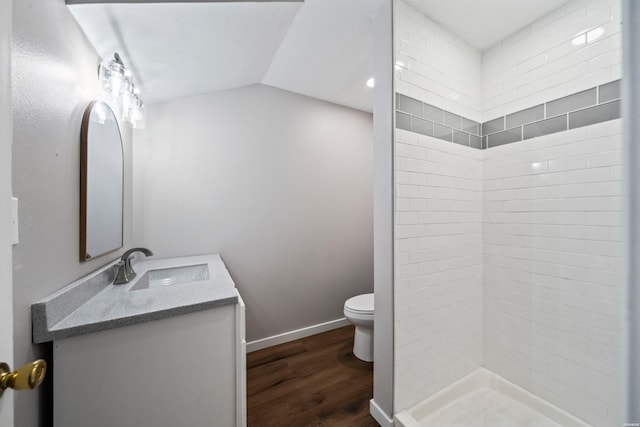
{"x": 359, "y": 311}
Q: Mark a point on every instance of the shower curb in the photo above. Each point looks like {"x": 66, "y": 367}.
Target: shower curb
{"x": 478, "y": 379}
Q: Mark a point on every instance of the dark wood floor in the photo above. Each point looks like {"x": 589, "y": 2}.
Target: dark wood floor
{"x": 315, "y": 381}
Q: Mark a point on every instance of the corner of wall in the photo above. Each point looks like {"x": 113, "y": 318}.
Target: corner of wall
{"x": 383, "y": 383}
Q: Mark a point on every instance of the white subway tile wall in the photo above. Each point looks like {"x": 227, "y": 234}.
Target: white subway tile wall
{"x": 534, "y": 293}
{"x": 438, "y": 267}
{"x": 551, "y": 214}
{"x": 438, "y": 242}
{"x": 574, "y": 48}
{"x": 551, "y": 238}
{"x": 435, "y": 66}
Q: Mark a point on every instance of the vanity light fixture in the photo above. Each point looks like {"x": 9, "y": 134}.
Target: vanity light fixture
{"x": 117, "y": 82}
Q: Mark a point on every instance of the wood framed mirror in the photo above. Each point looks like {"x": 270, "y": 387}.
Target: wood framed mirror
{"x": 101, "y": 182}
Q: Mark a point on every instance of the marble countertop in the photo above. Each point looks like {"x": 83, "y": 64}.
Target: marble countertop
{"x": 93, "y": 303}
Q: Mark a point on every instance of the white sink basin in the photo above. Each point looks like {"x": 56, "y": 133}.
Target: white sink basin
{"x": 171, "y": 276}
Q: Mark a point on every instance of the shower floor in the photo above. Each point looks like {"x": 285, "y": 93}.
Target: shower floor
{"x": 486, "y": 408}
{"x": 484, "y": 399}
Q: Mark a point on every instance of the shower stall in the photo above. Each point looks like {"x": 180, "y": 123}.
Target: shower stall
{"x": 507, "y": 207}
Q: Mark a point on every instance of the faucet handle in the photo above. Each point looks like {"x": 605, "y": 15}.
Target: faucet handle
{"x": 122, "y": 276}
{"x": 125, "y": 270}
{"x": 125, "y": 256}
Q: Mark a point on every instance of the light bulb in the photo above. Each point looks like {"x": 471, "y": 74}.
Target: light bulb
{"x": 117, "y": 82}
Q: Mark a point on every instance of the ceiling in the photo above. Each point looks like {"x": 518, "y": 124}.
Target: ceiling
{"x": 319, "y": 48}
{"x": 483, "y": 23}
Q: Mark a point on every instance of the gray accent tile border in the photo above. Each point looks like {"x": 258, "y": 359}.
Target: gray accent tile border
{"x": 475, "y": 141}
{"x": 492, "y": 126}
{"x": 454, "y": 121}
{"x": 409, "y": 105}
{"x": 595, "y": 105}
{"x": 442, "y": 132}
{"x": 403, "y": 121}
{"x": 505, "y": 137}
{"x": 425, "y": 127}
{"x": 461, "y": 138}
{"x": 432, "y": 113}
{"x": 592, "y": 115}
{"x": 545, "y": 127}
{"x": 573, "y": 102}
{"x": 525, "y": 116}
{"x": 419, "y": 117}
{"x": 609, "y": 92}
{"x": 470, "y": 126}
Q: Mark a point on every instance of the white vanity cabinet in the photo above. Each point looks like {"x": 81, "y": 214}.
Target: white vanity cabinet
{"x": 186, "y": 370}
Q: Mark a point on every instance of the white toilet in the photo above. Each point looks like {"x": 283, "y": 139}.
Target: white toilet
{"x": 359, "y": 311}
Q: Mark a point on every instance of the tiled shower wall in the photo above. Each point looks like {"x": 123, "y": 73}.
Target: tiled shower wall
{"x": 438, "y": 214}
{"x": 550, "y": 214}
{"x": 435, "y": 66}
{"x": 438, "y": 258}
{"x": 555, "y": 56}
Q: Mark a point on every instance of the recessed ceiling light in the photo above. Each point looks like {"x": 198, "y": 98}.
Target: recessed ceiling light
{"x": 370, "y": 82}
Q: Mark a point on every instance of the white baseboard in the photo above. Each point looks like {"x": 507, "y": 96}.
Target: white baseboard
{"x": 297, "y": 334}
{"x": 379, "y": 415}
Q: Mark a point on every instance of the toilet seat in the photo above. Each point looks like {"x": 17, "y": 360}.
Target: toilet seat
{"x": 360, "y": 304}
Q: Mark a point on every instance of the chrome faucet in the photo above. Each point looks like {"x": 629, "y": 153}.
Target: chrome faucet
{"x": 125, "y": 271}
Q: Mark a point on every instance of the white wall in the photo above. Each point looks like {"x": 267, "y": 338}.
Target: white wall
{"x": 53, "y": 79}
{"x": 383, "y": 107}
{"x": 540, "y": 62}
{"x": 279, "y": 184}
{"x": 438, "y": 217}
{"x": 631, "y": 214}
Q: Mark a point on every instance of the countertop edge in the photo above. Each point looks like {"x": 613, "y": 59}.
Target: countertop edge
{"x": 52, "y": 334}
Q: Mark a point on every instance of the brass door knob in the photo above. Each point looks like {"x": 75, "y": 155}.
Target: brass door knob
{"x": 27, "y": 377}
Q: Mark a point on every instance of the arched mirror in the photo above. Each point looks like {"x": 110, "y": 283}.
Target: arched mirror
{"x": 101, "y": 182}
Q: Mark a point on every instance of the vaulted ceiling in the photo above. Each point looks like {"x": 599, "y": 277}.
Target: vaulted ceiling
{"x": 319, "y": 48}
